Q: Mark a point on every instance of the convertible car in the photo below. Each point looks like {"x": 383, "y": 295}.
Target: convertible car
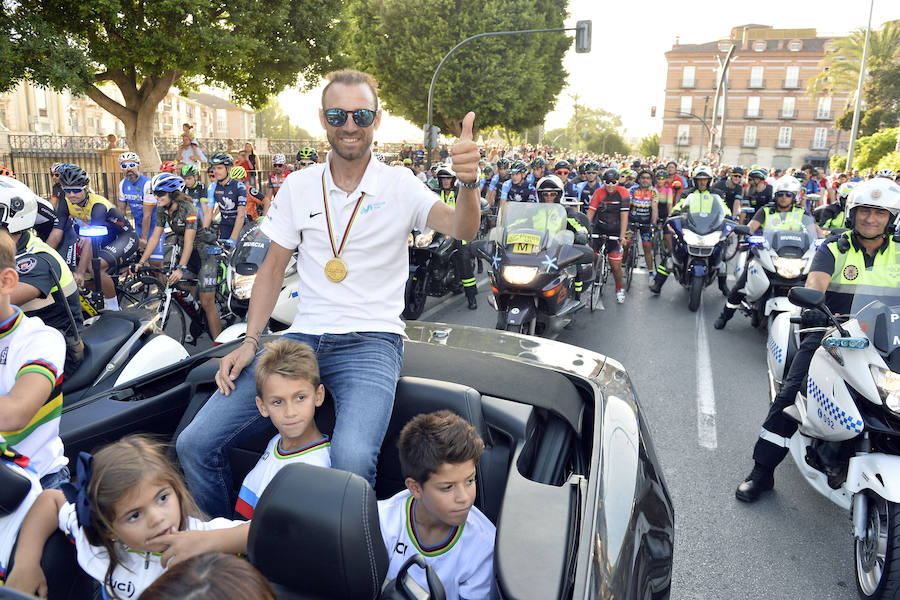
{"x": 568, "y": 475}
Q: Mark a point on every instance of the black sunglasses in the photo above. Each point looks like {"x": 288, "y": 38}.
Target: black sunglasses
{"x": 159, "y": 193}
{"x": 336, "y": 117}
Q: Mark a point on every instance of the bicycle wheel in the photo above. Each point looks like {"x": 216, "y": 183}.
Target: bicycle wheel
{"x": 144, "y": 287}
{"x": 173, "y": 322}
{"x": 630, "y": 259}
{"x": 127, "y": 300}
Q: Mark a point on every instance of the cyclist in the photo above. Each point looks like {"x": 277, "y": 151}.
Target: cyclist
{"x": 177, "y": 210}
{"x": 167, "y": 166}
{"x": 306, "y": 156}
{"x": 228, "y": 196}
{"x": 135, "y": 194}
{"x": 676, "y": 181}
{"x": 193, "y": 187}
{"x": 701, "y": 194}
{"x": 449, "y": 191}
{"x": 276, "y": 178}
{"x": 516, "y": 188}
{"x": 784, "y": 215}
{"x": 486, "y": 175}
{"x": 6, "y": 172}
{"x": 56, "y": 194}
{"x": 627, "y": 179}
{"x": 87, "y": 208}
{"x": 731, "y": 189}
{"x": 499, "y": 179}
{"x": 608, "y": 214}
{"x": 644, "y": 213}
{"x": 40, "y": 268}
{"x": 665, "y": 194}
{"x": 831, "y": 216}
{"x": 585, "y": 190}
{"x": 538, "y": 168}
{"x": 758, "y": 193}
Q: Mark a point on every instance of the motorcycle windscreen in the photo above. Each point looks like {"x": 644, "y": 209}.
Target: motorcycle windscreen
{"x": 250, "y": 250}
{"x": 878, "y": 313}
{"x": 793, "y": 240}
{"x": 529, "y": 228}
{"x": 704, "y": 215}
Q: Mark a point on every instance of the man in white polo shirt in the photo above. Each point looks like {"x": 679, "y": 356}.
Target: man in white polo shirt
{"x": 350, "y": 218}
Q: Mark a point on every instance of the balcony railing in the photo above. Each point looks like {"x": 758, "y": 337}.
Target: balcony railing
{"x": 785, "y": 115}
{"x": 683, "y": 141}
{"x": 755, "y": 84}
{"x": 753, "y": 115}
{"x": 780, "y": 144}
{"x": 688, "y": 83}
{"x": 790, "y": 85}
{"x": 818, "y": 145}
{"x": 821, "y": 116}
{"x": 747, "y": 144}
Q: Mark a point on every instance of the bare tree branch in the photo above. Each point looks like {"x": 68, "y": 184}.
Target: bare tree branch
{"x": 111, "y": 106}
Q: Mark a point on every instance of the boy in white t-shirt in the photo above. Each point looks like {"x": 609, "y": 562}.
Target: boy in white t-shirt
{"x": 435, "y": 515}
{"x": 289, "y": 391}
{"x": 11, "y": 522}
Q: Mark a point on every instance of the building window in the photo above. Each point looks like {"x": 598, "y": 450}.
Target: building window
{"x": 795, "y": 46}
{"x": 787, "y": 107}
{"x": 750, "y": 135}
{"x": 784, "y": 137}
{"x": 684, "y": 135}
{"x": 724, "y": 46}
{"x": 759, "y": 46}
{"x": 753, "y": 106}
{"x": 756, "y": 77}
{"x": 824, "y": 109}
{"x": 792, "y": 77}
{"x": 40, "y": 101}
{"x": 221, "y": 122}
{"x": 686, "y": 104}
{"x": 687, "y": 77}
{"x": 820, "y": 138}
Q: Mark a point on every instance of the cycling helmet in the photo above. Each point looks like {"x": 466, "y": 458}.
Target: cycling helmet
{"x": 54, "y": 168}
{"x": 488, "y": 169}
{"x": 562, "y": 164}
{"x": 166, "y": 182}
{"x": 843, "y": 192}
{"x": 757, "y": 172}
{"x": 278, "y": 159}
{"x": 6, "y": 172}
{"x": 876, "y": 193}
{"x": 580, "y": 168}
{"x": 518, "y": 167}
{"x": 129, "y": 157}
{"x": 889, "y": 173}
{"x": 188, "y": 170}
{"x": 736, "y": 171}
{"x": 167, "y": 167}
{"x": 502, "y": 164}
{"x": 407, "y": 162}
{"x": 787, "y": 184}
{"x": 610, "y": 176}
{"x": 221, "y": 158}
{"x": 550, "y": 183}
{"x": 537, "y": 162}
{"x": 18, "y": 205}
{"x": 591, "y": 167}
{"x": 645, "y": 171}
{"x": 238, "y": 172}
{"x": 627, "y": 172}
{"x": 73, "y": 176}
{"x": 307, "y": 153}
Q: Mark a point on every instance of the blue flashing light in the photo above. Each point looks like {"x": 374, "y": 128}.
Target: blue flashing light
{"x": 93, "y": 231}
{"x": 855, "y": 343}
{"x": 756, "y": 240}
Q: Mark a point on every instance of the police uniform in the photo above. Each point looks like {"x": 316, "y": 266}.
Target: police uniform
{"x": 464, "y": 258}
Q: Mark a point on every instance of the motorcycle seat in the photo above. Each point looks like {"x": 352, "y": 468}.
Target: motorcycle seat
{"x": 102, "y": 340}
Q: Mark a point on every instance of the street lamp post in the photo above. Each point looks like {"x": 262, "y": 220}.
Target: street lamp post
{"x": 859, "y": 91}
{"x": 720, "y": 88}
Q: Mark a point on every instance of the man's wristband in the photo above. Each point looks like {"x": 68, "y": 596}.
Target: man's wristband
{"x": 470, "y": 186}
{"x": 252, "y": 340}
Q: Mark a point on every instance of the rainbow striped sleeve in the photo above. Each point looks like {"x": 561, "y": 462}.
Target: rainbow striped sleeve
{"x": 43, "y": 367}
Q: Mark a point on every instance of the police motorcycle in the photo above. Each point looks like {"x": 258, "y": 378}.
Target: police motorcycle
{"x": 534, "y": 261}
{"x": 432, "y": 270}
{"x": 778, "y": 260}
{"x": 698, "y": 245}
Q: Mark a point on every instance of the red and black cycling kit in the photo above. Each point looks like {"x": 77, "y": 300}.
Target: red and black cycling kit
{"x": 608, "y": 209}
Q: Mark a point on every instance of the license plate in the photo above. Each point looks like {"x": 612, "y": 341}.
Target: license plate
{"x": 522, "y": 248}
{"x": 523, "y": 238}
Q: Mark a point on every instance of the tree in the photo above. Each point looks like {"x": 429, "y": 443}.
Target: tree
{"x": 650, "y": 145}
{"x": 881, "y": 93}
{"x": 144, "y": 47}
{"x": 274, "y": 124}
{"x": 510, "y": 81}
{"x": 871, "y": 149}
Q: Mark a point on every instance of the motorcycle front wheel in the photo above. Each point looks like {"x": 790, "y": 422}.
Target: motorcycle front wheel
{"x": 876, "y": 574}
{"x": 414, "y": 297}
{"x": 695, "y": 293}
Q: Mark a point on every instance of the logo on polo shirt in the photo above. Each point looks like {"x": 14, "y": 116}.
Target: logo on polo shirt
{"x": 371, "y": 207}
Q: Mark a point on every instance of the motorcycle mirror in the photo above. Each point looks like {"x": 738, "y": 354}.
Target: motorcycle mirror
{"x": 575, "y": 254}
{"x": 480, "y": 247}
{"x": 741, "y": 229}
{"x": 246, "y": 268}
{"x": 806, "y": 297}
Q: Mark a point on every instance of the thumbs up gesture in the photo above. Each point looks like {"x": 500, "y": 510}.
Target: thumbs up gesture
{"x": 465, "y": 153}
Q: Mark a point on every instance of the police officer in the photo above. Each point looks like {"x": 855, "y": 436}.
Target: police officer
{"x": 866, "y": 256}
{"x": 449, "y": 191}
{"x": 550, "y": 189}
{"x": 784, "y": 215}
{"x": 831, "y": 216}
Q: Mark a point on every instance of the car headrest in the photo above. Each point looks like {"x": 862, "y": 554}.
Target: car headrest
{"x": 14, "y": 488}
{"x": 315, "y": 531}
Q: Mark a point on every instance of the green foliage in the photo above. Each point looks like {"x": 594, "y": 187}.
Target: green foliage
{"x": 837, "y": 162}
{"x": 649, "y": 145}
{"x": 274, "y": 124}
{"x": 889, "y": 161}
{"x": 509, "y": 81}
{"x": 871, "y": 149}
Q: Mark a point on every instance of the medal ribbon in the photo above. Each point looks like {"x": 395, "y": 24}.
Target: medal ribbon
{"x": 337, "y": 252}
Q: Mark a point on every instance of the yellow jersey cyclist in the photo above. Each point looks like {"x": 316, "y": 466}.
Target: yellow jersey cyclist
{"x": 117, "y": 247}
{"x": 177, "y": 210}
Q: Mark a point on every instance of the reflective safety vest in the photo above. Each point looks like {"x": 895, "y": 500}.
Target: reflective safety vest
{"x": 835, "y": 222}
{"x": 36, "y": 245}
{"x": 700, "y": 202}
{"x": 851, "y": 276}
{"x": 539, "y": 222}
{"x": 792, "y": 220}
{"x": 449, "y": 197}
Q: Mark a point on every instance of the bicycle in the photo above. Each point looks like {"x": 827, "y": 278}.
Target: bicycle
{"x": 601, "y": 268}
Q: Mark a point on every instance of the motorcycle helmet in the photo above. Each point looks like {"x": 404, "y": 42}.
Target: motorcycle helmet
{"x": 787, "y": 184}
{"x": 221, "y": 158}
{"x": 611, "y": 176}
{"x": 876, "y": 193}
{"x": 843, "y": 192}
{"x": 537, "y": 162}
{"x": 518, "y": 167}
{"x": 167, "y": 167}
{"x": 702, "y": 172}
{"x": 166, "y": 182}
{"x": 188, "y": 170}
{"x": 888, "y": 173}
{"x": 550, "y": 183}
{"x": 278, "y": 159}
{"x": 443, "y": 171}
{"x": 73, "y": 176}
{"x": 6, "y": 172}
{"x": 18, "y": 205}
{"x": 502, "y": 164}
{"x": 129, "y": 157}
{"x": 238, "y": 172}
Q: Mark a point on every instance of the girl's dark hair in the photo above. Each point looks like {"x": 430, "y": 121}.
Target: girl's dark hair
{"x": 119, "y": 468}
{"x": 213, "y": 576}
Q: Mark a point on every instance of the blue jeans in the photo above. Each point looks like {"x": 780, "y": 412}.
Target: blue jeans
{"x": 361, "y": 372}
{"x": 53, "y": 481}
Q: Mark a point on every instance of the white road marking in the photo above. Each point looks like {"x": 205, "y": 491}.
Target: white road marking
{"x": 706, "y": 395}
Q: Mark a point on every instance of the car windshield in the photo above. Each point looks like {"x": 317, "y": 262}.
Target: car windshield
{"x": 704, "y": 214}
{"x": 540, "y": 226}
{"x": 251, "y": 247}
{"x": 792, "y": 239}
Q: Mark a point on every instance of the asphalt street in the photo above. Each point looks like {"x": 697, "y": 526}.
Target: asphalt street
{"x": 704, "y": 421}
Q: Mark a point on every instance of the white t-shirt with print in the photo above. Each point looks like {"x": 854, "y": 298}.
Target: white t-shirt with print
{"x": 136, "y": 570}
{"x": 370, "y": 298}
{"x": 464, "y": 562}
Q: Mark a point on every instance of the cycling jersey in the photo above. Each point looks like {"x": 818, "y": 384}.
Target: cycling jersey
{"x": 495, "y": 180}
{"x": 756, "y": 198}
{"x": 198, "y": 195}
{"x": 275, "y": 181}
{"x": 524, "y": 192}
{"x": 642, "y": 205}
{"x": 136, "y": 195}
{"x": 185, "y": 217}
{"x": 121, "y": 241}
{"x": 228, "y": 196}
{"x": 255, "y": 202}
{"x": 608, "y": 209}
{"x": 586, "y": 192}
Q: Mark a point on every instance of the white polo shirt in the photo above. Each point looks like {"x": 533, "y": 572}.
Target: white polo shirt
{"x": 370, "y": 298}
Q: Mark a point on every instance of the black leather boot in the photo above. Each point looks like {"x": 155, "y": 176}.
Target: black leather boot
{"x": 724, "y": 317}
{"x": 761, "y": 479}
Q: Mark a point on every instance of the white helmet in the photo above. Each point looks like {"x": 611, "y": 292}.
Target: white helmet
{"x": 278, "y": 159}
{"x": 550, "y": 183}
{"x": 129, "y": 157}
{"x": 702, "y": 171}
{"x": 876, "y": 193}
{"x": 787, "y": 183}
{"x": 18, "y": 205}
{"x": 889, "y": 173}
{"x": 444, "y": 170}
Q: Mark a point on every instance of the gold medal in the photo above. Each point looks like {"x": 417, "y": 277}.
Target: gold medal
{"x": 335, "y": 270}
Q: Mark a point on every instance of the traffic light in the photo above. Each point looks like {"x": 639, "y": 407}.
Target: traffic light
{"x": 583, "y": 37}
{"x": 652, "y": 111}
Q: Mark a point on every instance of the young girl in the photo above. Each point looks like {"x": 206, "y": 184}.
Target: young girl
{"x": 130, "y": 517}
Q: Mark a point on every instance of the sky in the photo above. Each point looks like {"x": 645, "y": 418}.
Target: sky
{"x": 625, "y": 72}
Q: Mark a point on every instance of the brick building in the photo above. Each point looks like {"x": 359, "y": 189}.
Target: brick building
{"x": 770, "y": 120}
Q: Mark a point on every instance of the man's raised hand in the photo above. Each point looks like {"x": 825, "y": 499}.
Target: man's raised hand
{"x": 465, "y": 152}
